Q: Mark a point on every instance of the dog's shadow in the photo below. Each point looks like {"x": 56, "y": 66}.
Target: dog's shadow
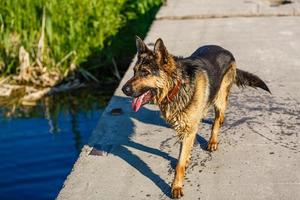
{"x": 122, "y": 126}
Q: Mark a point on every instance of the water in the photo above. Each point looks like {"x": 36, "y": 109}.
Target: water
{"x": 38, "y": 146}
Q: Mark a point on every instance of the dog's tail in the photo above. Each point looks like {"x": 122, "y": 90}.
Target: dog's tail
{"x": 244, "y": 79}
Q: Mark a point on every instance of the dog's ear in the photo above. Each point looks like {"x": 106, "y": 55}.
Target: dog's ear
{"x": 161, "y": 51}
{"x": 140, "y": 45}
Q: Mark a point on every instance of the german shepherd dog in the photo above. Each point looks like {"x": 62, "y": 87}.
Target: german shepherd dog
{"x": 184, "y": 88}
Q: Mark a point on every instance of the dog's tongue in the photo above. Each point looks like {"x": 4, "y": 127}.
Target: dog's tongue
{"x": 137, "y": 102}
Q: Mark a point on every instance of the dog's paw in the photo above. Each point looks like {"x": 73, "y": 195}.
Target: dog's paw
{"x": 177, "y": 192}
{"x": 212, "y": 146}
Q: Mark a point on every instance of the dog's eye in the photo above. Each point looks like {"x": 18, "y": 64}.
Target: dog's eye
{"x": 145, "y": 72}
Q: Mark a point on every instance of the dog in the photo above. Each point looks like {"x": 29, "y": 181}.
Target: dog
{"x": 184, "y": 89}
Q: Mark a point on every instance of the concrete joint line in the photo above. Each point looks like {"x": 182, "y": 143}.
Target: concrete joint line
{"x": 196, "y": 17}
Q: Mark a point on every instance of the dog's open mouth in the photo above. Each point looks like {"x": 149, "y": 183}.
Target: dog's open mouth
{"x": 141, "y": 100}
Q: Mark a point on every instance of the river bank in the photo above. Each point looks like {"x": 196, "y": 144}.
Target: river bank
{"x": 54, "y": 53}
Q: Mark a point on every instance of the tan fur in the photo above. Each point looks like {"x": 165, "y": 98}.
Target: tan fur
{"x": 187, "y": 129}
{"x": 139, "y": 83}
{"x": 185, "y": 150}
{"x": 220, "y": 104}
{"x": 165, "y": 83}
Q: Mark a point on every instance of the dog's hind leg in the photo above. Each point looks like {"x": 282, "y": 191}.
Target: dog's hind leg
{"x": 219, "y": 119}
{"x": 220, "y": 104}
{"x": 185, "y": 150}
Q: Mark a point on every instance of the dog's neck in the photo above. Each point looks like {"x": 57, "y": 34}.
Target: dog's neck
{"x": 171, "y": 95}
{"x": 178, "y": 98}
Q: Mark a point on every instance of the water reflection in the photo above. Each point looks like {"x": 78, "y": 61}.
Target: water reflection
{"x": 39, "y": 145}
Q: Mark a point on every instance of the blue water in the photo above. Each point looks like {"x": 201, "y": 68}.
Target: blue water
{"x": 39, "y": 147}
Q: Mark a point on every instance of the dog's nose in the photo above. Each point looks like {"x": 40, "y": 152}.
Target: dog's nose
{"x": 127, "y": 89}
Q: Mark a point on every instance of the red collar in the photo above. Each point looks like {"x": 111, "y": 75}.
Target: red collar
{"x": 174, "y": 91}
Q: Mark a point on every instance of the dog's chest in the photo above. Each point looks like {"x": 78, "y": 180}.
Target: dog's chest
{"x": 177, "y": 120}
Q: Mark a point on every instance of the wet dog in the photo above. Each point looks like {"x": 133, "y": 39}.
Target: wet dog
{"x": 184, "y": 89}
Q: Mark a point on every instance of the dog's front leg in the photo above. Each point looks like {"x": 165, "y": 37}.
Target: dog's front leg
{"x": 185, "y": 150}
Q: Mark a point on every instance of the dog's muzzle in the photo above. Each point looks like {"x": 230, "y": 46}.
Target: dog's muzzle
{"x": 127, "y": 89}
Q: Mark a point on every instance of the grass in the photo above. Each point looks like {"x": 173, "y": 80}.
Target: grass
{"x": 88, "y": 33}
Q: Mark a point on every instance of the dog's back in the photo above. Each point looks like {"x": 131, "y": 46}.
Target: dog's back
{"x": 214, "y": 60}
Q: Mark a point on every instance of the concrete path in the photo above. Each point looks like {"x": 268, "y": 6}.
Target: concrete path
{"x": 132, "y": 155}
{"x": 198, "y": 9}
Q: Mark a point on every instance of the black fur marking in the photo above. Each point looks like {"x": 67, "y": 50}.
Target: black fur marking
{"x": 213, "y": 60}
{"x": 244, "y": 79}
{"x": 161, "y": 51}
{"x": 140, "y": 46}
{"x": 147, "y": 60}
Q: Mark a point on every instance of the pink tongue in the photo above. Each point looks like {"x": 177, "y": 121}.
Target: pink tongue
{"x": 137, "y": 102}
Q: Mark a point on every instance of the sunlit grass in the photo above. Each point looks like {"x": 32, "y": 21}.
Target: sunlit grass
{"x": 74, "y": 30}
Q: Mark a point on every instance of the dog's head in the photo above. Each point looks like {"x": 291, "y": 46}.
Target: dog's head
{"x": 152, "y": 70}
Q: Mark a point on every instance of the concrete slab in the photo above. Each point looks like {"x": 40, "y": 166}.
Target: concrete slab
{"x": 134, "y": 154}
{"x": 198, "y": 9}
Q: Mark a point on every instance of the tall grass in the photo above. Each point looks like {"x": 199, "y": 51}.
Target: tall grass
{"x": 74, "y": 29}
